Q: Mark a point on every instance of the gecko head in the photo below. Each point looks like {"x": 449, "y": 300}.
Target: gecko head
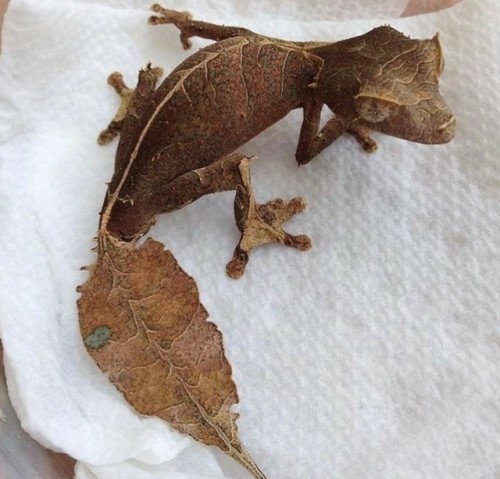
{"x": 403, "y": 100}
{"x": 428, "y": 121}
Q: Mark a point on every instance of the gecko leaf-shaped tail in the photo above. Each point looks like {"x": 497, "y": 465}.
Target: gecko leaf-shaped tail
{"x": 144, "y": 326}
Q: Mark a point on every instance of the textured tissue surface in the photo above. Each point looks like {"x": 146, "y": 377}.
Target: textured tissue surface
{"x": 375, "y": 354}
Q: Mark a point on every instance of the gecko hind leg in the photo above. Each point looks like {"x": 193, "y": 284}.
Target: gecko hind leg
{"x": 192, "y": 28}
{"x": 129, "y": 101}
{"x": 258, "y": 223}
{"x": 261, "y": 224}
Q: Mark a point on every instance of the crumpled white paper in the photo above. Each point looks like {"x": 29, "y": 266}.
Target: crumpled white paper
{"x": 375, "y": 354}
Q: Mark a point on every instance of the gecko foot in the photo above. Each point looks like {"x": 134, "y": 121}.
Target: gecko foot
{"x": 362, "y": 136}
{"x": 115, "y": 126}
{"x": 261, "y": 224}
{"x": 174, "y": 17}
{"x": 146, "y": 76}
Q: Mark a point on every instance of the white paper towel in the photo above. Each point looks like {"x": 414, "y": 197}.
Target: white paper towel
{"x": 375, "y": 354}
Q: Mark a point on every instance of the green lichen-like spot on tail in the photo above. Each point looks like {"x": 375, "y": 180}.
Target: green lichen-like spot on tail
{"x": 97, "y": 339}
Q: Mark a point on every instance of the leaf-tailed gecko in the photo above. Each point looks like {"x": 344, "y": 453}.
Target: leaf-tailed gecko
{"x": 179, "y": 141}
{"x": 139, "y": 313}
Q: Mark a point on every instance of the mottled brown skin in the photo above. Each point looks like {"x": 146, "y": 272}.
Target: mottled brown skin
{"x": 178, "y": 141}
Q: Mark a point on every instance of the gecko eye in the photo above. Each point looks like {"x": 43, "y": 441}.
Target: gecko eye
{"x": 374, "y": 109}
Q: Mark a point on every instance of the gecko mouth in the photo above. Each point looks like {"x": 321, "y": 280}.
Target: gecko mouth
{"x": 450, "y": 122}
{"x": 445, "y": 131}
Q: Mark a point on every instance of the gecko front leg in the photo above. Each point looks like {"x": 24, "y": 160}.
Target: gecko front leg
{"x": 193, "y": 28}
{"x": 313, "y": 141}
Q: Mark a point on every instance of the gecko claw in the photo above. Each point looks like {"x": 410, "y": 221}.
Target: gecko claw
{"x": 174, "y": 17}
{"x": 236, "y": 267}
